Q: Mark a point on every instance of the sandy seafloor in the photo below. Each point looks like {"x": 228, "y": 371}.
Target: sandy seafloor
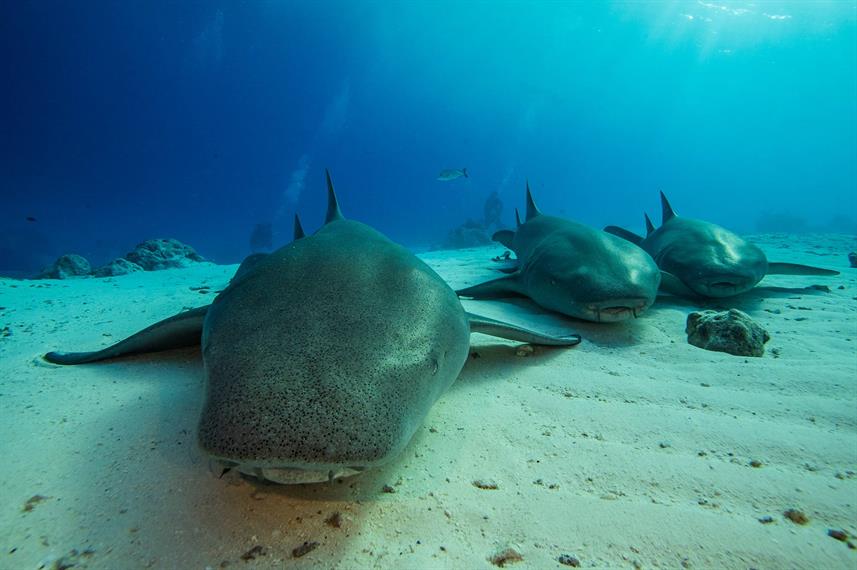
{"x": 632, "y": 449}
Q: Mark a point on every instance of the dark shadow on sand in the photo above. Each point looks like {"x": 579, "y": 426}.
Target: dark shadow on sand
{"x": 747, "y": 302}
{"x": 496, "y": 362}
{"x": 167, "y": 429}
{"x": 523, "y": 311}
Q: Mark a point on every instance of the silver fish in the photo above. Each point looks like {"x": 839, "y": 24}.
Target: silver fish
{"x": 452, "y": 174}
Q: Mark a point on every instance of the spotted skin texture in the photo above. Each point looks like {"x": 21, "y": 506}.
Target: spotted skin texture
{"x": 326, "y": 375}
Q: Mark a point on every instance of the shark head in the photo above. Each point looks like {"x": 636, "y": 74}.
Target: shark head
{"x": 710, "y": 260}
{"x": 613, "y": 282}
{"x": 707, "y": 259}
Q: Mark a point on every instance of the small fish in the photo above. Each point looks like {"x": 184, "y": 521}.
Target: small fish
{"x": 31, "y": 219}
{"x": 452, "y": 174}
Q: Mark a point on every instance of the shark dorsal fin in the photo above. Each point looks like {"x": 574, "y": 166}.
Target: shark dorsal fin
{"x": 299, "y": 230}
{"x": 650, "y": 227}
{"x": 517, "y": 218}
{"x": 667, "y": 212}
{"x": 532, "y": 209}
{"x": 333, "y": 211}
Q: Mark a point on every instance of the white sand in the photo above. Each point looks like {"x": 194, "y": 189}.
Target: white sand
{"x": 631, "y": 449}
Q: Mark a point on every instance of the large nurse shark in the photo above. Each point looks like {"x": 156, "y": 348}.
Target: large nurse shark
{"x": 323, "y": 357}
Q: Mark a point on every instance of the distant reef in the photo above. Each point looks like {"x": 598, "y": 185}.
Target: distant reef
{"x": 150, "y": 255}
{"x": 119, "y": 266}
{"x": 155, "y": 254}
{"x": 69, "y": 265}
{"x": 475, "y": 233}
{"x": 469, "y": 234}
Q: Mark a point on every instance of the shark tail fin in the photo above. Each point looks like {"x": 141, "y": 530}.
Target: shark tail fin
{"x": 624, "y": 234}
{"x": 333, "y": 211}
{"x": 775, "y": 268}
{"x": 464, "y": 172}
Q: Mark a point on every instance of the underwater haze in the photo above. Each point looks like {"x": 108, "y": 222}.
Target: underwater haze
{"x": 124, "y": 121}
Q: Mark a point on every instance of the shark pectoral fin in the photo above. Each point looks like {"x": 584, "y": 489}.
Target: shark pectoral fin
{"x": 494, "y": 289}
{"x": 183, "y": 329}
{"x": 506, "y": 237}
{"x": 797, "y": 269}
{"x": 508, "y": 269}
{"x": 674, "y": 286}
{"x": 624, "y": 234}
{"x": 505, "y": 330}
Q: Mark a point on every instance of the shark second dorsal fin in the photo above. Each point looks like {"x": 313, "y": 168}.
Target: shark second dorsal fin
{"x": 667, "y": 212}
{"x": 532, "y": 209}
{"x": 299, "y": 230}
{"x": 333, "y": 211}
{"x": 650, "y": 227}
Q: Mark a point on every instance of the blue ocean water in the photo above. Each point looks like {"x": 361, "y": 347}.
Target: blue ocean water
{"x": 123, "y": 121}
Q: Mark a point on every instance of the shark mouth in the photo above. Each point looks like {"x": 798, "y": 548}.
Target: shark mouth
{"x": 285, "y": 475}
{"x": 615, "y": 311}
{"x": 725, "y": 286}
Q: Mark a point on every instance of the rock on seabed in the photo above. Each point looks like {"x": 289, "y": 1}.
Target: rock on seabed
{"x": 731, "y": 331}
